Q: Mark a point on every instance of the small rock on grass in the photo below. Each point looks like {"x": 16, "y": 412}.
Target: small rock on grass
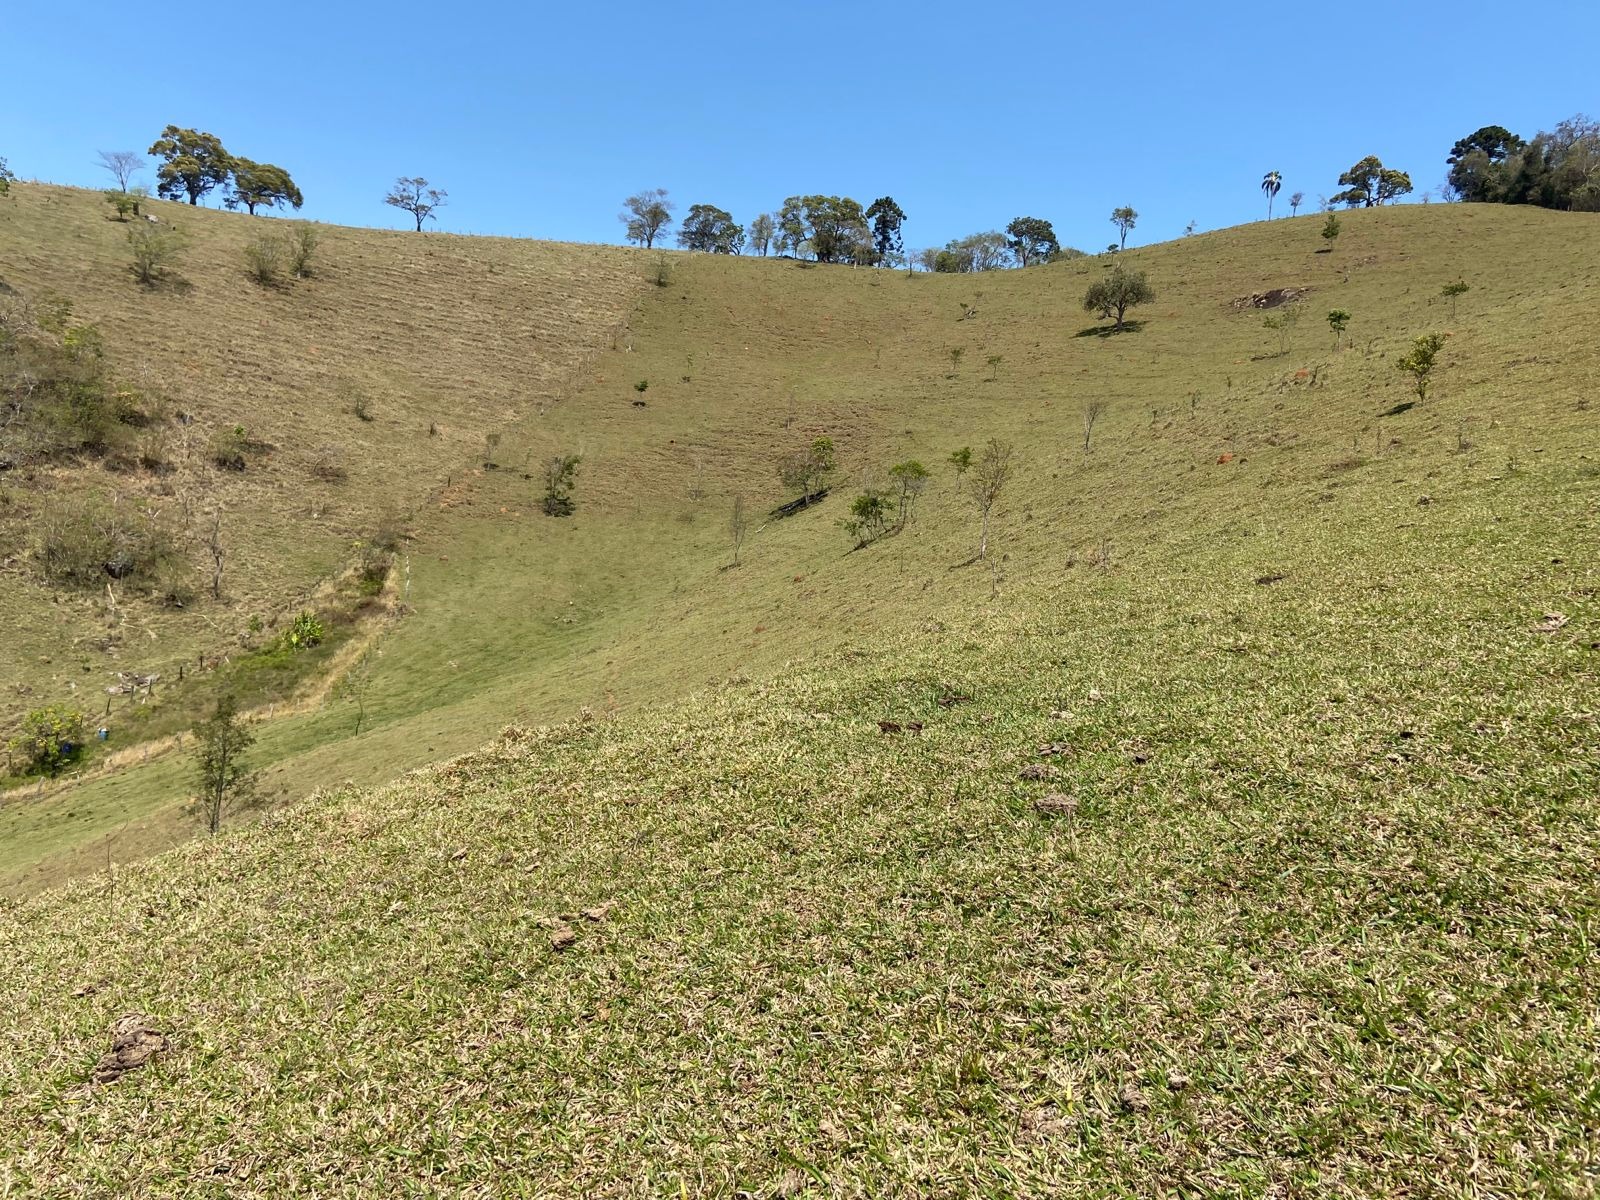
{"x": 562, "y": 936}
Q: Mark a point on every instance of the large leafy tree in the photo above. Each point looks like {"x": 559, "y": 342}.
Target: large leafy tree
{"x": 1117, "y": 292}
{"x": 261, "y": 185}
{"x": 192, "y": 164}
{"x": 1124, "y": 218}
{"x": 1370, "y": 184}
{"x": 1477, "y": 163}
{"x": 1032, "y": 239}
{"x": 709, "y": 228}
{"x": 790, "y": 235}
{"x": 1271, "y": 183}
{"x": 414, "y": 195}
{"x": 887, "y": 217}
{"x": 645, "y": 215}
{"x": 835, "y": 227}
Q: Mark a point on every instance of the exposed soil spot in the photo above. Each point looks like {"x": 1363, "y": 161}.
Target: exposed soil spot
{"x": 1276, "y": 298}
{"x": 1038, "y": 771}
{"x": 1551, "y": 622}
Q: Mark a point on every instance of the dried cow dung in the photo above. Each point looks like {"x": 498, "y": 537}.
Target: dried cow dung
{"x": 134, "y": 1041}
{"x": 1056, "y": 804}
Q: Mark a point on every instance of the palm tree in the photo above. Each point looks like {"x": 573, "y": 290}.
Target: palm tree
{"x": 1270, "y": 183}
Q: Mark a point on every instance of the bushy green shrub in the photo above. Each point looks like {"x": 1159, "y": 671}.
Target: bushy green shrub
{"x": 869, "y": 515}
{"x": 51, "y": 738}
{"x": 559, "y": 472}
{"x": 372, "y": 569}
{"x": 53, "y": 386}
{"x": 154, "y": 251}
{"x": 228, "y": 447}
{"x": 306, "y": 631}
{"x": 263, "y": 260}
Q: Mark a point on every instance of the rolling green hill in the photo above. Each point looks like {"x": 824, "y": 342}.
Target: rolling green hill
{"x": 1245, "y": 845}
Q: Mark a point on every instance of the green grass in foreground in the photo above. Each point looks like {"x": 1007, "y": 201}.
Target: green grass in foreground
{"x": 1320, "y": 924}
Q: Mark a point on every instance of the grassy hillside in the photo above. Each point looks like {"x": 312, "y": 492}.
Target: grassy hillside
{"x": 1246, "y": 847}
{"x": 1308, "y": 911}
{"x": 516, "y": 616}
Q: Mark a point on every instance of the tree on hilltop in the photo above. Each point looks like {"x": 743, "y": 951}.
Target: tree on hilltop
{"x": 5, "y": 177}
{"x": 1032, "y": 240}
{"x": 413, "y": 195}
{"x": 123, "y": 165}
{"x": 648, "y": 213}
{"x": 192, "y": 164}
{"x": 975, "y": 252}
{"x": 1124, "y": 218}
{"x": 1475, "y": 162}
{"x": 834, "y": 227}
{"x": 261, "y": 185}
{"x": 887, "y": 217}
{"x": 1370, "y": 184}
{"x": 761, "y": 233}
{"x": 711, "y": 229}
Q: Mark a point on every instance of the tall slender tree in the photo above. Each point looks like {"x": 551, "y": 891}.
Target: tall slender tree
{"x": 1271, "y": 182}
{"x": 886, "y": 217}
{"x": 123, "y": 166}
{"x": 761, "y": 234}
{"x": 222, "y": 779}
{"x": 1124, "y": 218}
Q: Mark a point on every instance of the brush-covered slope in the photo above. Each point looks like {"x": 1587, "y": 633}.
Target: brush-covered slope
{"x": 1245, "y": 846}
{"x": 299, "y": 418}
{"x": 513, "y": 615}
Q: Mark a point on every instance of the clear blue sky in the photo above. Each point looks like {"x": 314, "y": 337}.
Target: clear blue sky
{"x": 540, "y": 118}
